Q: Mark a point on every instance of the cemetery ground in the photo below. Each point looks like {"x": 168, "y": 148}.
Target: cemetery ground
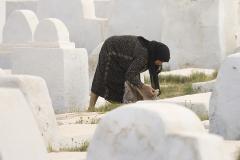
{"x": 173, "y": 84}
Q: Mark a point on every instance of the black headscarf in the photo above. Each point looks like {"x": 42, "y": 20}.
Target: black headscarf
{"x": 156, "y": 51}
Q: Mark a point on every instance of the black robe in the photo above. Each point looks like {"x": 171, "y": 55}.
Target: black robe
{"x": 122, "y": 58}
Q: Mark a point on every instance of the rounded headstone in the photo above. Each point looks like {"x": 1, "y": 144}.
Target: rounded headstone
{"x": 20, "y": 137}
{"x": 137, "y": 131}
{"x": 51, "y": 30}
{"x": 224, "y": 103}
{"x": 36, "y": 93}
{"x": 20, "y": 27}
{"x": 85, "y": 32}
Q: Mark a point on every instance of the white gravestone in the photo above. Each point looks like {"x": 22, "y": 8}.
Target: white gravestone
{"x": 52, "y": 33}
{"x": 198, "y": 103}
{"x": 142, "y": 131}
{"x": 153, "y": 131}
{"x": 19, "y": 28}
{"x": 54, "y": 58}
{"x": 195, "y": 37}
{"x": 224, "y": 103}
{"x": 204, "y": 86}
{"x": 36, "y": 93}
{"x": 85, "y": 29}
{"x": 20, "y": 137}
{"x": 230, "y": 26}
{"x": 17, "y": 32}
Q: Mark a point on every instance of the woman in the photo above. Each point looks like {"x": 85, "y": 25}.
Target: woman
{"x": 122, "y": 59}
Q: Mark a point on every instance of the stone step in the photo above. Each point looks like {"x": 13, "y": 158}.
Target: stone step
{"x": 67, "y": 156}
{"x": 76, "y": 135}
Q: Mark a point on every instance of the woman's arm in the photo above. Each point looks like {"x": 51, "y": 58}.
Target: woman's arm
{"x": 133, "y": 73}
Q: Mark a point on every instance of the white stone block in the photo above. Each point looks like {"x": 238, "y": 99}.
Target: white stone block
{"x": 202, "y": 38}
{"x": 75, "y": 135}
{"x": 153, "y": 131}
{"x": 64, "y": 70}
{"x": 85, "y": 29}
{"x": 150, "y": 121}
{"x": 198, "y": 103}
{"x": 20, "y": 137}
{"x": 224, "y": 104}
{"x": 52, "y": 33}
{"x": 204, "y": 86}
{"x": 17, "y": 32}
{"x": 67, "y": 155}
{"x": 230, "y": 26}
{"x": 36, "y": 93}
{"x": 19, "y": 28}
{"x": 63, "y": 67}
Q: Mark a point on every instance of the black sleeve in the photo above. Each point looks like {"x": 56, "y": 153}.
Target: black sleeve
{"x": 133, "y": 73}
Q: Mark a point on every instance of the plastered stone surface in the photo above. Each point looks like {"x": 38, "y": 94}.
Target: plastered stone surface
{"x": 20, "y": 137}
{"x": 224, "y": 104}
{"x": 37, "y": 96}
{"x": 141, "y": 133}
{"x": 64, "y": 70}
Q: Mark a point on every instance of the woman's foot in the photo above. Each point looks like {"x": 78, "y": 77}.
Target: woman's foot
{"x": 93, "y": 100}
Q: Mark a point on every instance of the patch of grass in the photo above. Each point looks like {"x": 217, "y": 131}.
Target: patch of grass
{"x": 94, "y": 121}
{"x": 175, "y": 90}
{"x": 80, "y": 121}
{"x": 177, "y": 79}
{"x": 82, "y": 148}
{"x": 193, "y": 78}
{"x": 50, "y": 148}
{"x": 107, "y": 107}
{"x": 91, "y": 121}
{"x": 175, "y": 85}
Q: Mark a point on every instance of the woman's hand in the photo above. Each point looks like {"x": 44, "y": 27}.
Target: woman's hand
{"x": 147, "y": 91}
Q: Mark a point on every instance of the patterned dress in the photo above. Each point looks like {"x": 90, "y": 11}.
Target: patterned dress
{"x": 122, "y": 58}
